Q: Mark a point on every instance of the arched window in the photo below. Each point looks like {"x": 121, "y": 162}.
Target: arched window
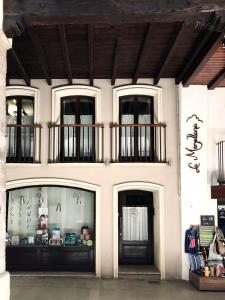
{"x": 19, "y": 133}
{"x": 136, "y": 113}
{"x": 78, "y": 141}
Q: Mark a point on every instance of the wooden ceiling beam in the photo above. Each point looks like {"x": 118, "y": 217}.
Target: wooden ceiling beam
{"x": 23, "y": 72}
{"x": 40, "y": 54}
{"x": 203, "y": 44}
{"x": 205, "y": 56}
{"x": 115, "y": 59}
{"x": 217, "y": 80}
{"x": 118, "y": 11}
{"x": 65, "y": 51}
{"x": 143, "y": 52}
{"x": 91, "y": 53}
{"x": 170, "y": 51}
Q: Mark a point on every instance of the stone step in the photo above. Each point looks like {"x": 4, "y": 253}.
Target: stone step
{"x": 148, "y": 277}
{"x": 142, "y": 272}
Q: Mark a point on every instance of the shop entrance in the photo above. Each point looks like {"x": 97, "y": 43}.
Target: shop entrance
{"x": 135, "y": 230}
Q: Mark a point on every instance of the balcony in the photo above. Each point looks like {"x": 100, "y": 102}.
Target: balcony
{"x": 23, "y": 143}
{"x": 76, "y": 143}
{"x": 138, "y": 143}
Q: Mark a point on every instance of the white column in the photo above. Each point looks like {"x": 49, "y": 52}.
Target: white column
{"x": 4, "y": 276}
{"x": 194, "y": 192}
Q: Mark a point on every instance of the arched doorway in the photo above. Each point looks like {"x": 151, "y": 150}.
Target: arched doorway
{"x": 146, "y": 189}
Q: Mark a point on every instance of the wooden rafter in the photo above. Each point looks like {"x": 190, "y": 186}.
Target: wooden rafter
{"x": 23, "y": 72}
{"x": 143, "y": 52}
{"x": 115, "y": 59}
{"x": 204, "y": 58}
{"x": 40, "y": 54}
{"x": 217, "y": 80}
{"x": 170, "y": 51}
{"x": 91, "y": 53}
{"x": 203, "y": 44}
{"x": 65, "y": 50}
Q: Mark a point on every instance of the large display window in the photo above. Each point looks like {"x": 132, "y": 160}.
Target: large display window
{"x": 50, "y": 228}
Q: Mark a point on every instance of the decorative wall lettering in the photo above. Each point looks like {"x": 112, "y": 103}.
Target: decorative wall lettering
{"x": 194, "y": 144}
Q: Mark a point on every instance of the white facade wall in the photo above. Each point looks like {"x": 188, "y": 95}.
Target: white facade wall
{"x": 4, "y": 276}
{"x": 106, "y": 177}
{"x": 196, "y": 187}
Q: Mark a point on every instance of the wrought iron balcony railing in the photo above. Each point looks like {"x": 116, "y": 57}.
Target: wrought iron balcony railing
{"x": 23, "y": 143}
{"x": 138, "y": 143}
{"x": 76, "y": 143}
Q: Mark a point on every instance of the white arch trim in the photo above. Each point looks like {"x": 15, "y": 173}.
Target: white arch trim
{"x": 76, "y": 184}
{"x": 79, "y": 90}
{"x": 139, "y": 89}
{"x": 158, "y": 195}
{"x": 20, "y": 90}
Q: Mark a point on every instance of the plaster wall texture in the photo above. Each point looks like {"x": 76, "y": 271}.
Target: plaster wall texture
{"x": 196, "y": 187}
{"x": 108, "y": 176}
{"x": 4, "y": 276}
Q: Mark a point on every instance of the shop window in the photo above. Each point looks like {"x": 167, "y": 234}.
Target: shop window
{"x": 54, "y": 228}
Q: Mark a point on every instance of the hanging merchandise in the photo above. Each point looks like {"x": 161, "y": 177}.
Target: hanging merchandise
{"x": 220, "y": 241}
{"x": 206, "y": 234}
{"x": 213, "y": 255}
{"x": 221, "y": 218}
{"x": 191, "y": 240}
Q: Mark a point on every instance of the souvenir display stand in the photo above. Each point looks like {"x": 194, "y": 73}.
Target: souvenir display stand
{"x": 207, "y": 283}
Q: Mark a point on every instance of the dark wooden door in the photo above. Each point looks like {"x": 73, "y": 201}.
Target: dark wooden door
{"x": 136, "y": 240}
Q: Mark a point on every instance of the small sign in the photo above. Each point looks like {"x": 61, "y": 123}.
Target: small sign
{"x": 207, "y": 220}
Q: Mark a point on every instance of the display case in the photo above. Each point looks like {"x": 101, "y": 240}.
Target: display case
{"x": 50, "y": 228}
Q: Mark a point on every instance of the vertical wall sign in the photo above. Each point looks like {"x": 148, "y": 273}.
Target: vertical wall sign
{"x": 194, "y": 145}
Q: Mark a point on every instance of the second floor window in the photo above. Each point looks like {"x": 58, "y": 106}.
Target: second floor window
{"x": 78, "y": 139}
{"x": 136, "y": 113}
{"x": 19, "y": 135}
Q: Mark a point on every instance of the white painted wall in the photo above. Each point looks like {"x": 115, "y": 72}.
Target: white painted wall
{"x": 196, "y": 187}
{"x": 108, "y": 176}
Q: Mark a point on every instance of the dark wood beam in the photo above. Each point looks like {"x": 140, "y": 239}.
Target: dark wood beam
{"x": 40, "y": 54}
{"x": 204, "y": 58}
{"x": 200, "y": 47}
{"x": 91, "y": 53}
{"x": 22, "y": 71}
{"x": 217, "y": 80}
{"x": 170, "y": 51}
{"x": 115, "y": 12}
{"x": 143, "y": 52}
{"x": 65, "y": 50}
{"x": 115, "y": 59}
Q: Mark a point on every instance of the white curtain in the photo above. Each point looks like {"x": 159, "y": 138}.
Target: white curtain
{"x": 86, "y": 133}
{"x": 144, "y": 134}
{"x": 135, "y": 223}
{"x": 127, "y": 136}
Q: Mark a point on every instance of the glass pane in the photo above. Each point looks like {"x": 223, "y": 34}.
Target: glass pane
{"x": 11, "y": 111}
{"x": 48, "y": 208}
{"x": 69, "y": 105}
{"x": 27, "y": 111}
{"x": 144, "y": 105}
{"x": 127, "y": 105}
{"x": 69, "y": 136}
{"x": 87, "y": 106}
{"x": 135, "y": 223}
{"x": 86, "y": 136}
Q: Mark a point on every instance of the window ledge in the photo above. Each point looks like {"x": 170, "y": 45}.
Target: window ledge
{"x": 140, "y": 164}
{"x": 23, "y": 165}
{"x": 76, "y": 164}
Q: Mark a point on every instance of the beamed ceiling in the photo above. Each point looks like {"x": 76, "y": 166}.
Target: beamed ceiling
{"x": 58, "y": 42}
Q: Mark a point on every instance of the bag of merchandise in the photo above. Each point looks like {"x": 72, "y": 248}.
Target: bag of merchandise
{"x": 220, "y": 241}
{"x": 212, "y": 250}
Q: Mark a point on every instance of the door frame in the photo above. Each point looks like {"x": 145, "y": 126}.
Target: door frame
{"x": 158, "y": 198}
